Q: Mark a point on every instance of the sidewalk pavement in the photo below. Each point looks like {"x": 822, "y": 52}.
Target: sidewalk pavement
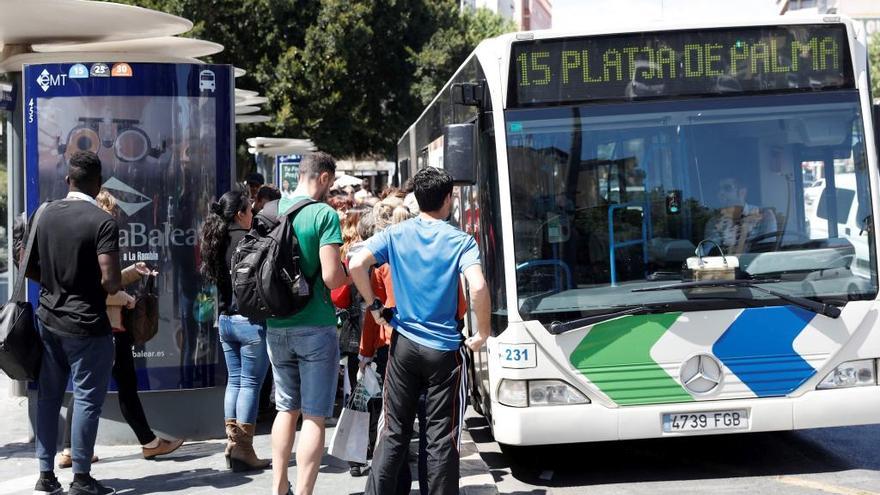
{"x": 197, "y": 467}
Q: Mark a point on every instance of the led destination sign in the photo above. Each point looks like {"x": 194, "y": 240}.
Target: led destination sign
{"x": 680, "y": 63}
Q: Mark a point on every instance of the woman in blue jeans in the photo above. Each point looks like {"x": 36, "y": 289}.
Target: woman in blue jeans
{"x": 244, "y": 341}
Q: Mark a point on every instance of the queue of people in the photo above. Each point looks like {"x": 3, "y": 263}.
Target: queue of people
{"x": 383, "y": 287}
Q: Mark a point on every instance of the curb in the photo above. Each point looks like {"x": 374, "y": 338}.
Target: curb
{"x": 475, "y": 478}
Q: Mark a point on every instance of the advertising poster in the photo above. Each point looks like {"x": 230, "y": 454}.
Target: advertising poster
{"x": 287, "y": 172}
{"x": 163, "y": 133}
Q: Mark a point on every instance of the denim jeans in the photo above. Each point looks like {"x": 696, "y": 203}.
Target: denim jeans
{"x": 126, "y": 384}
{"x": 88, "y": 361}
{"x": 305, "y": 363}
{"x": 244, "y": 345}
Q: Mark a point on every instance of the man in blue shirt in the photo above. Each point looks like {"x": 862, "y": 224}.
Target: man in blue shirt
{"x": 427, "y": 258}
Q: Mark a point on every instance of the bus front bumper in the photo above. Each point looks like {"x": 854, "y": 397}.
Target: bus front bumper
{"x": 596, "y": 423}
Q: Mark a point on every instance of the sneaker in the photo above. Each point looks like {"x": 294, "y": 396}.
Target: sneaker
{"x": 48, "y": 486}
{"x": 90, "y": 487}
{"x": 355, "y": 470}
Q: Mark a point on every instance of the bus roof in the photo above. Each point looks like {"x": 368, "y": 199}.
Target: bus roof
{"x": 607, "y": 26}
{"x": 493, "y": 49}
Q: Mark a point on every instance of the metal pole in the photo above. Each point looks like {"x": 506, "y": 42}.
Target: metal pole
{"x": 15, "y": 192}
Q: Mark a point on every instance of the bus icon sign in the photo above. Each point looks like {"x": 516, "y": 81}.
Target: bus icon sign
{"x": 207, "y": 81}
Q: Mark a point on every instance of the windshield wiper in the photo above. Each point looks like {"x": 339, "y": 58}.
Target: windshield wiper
{"x": 558, "y": 327}
{"x": 531, "y": 303}
{"x": 824, "y": 309}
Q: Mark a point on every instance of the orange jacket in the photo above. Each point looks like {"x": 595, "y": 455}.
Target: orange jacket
{"x": 373, "y": 335}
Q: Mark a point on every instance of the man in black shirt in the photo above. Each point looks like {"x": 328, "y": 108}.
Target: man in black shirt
{"x": 75, "y": 259}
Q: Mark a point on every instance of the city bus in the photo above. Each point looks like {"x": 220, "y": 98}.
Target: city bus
{"x": 676, "y": 222}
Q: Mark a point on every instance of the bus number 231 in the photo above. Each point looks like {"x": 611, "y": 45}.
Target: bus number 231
{"x": 518, "y": 356}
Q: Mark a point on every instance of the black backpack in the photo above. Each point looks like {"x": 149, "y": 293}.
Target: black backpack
{"x": 267, "y": 279}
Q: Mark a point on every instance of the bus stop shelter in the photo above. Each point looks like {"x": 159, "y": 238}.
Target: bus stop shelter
{"x": 81, "y": 32}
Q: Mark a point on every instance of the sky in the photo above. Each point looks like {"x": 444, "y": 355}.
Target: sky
{"x": 569, "y": 14}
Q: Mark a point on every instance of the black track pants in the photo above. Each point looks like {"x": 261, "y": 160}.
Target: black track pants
{"x": 412, "y": 369}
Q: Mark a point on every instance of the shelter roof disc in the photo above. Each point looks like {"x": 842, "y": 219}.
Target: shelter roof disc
{"x": 164, "y": 45}
{"x": 238, "y": 72}
{"x": 283, "y": 150}
{"x": 241, "y": 110}
{"x": 251, "y": 119}
{"x": 28, "y": 22}
{"x": 15, "y": 62}
{"x": 268, "y": 142}
{"x": 245, "y": 93}
{"x": 251, "y": 100}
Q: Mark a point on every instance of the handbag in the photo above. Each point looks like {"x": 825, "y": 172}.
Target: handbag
{"x": 142, "y": 320}
{"x": 21, "y": 349}
{"x": 349, "y": 327}
{"x": 204, "y": 305}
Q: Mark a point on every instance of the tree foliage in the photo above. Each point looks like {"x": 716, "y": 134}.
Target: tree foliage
{"x": 450, "y": 45}
{"x": 874, "y": 62}
{"x": 348, "y": 74}
{"x": 347, "y": 87}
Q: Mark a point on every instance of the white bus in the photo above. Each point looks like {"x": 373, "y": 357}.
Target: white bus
{"x": 638, "y": 196}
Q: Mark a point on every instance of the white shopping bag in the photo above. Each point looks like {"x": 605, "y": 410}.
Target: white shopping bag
{"x": 352, "y": 436}
{"x": 370, "y": 381}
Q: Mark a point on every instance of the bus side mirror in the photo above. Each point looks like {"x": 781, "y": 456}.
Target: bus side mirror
{"x": 470, "y": 94}
{"x": 459, "y": 155}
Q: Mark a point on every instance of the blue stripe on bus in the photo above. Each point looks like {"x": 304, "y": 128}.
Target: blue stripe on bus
{"x": 759, "y": 349}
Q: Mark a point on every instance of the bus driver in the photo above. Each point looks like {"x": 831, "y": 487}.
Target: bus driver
{"x": 738, "y": 223}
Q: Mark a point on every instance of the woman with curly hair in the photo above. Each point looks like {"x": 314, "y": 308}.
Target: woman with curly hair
{"x": 243, "y": 340}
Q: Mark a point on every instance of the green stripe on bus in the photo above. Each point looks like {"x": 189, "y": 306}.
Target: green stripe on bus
{"x": 616, "y": 357}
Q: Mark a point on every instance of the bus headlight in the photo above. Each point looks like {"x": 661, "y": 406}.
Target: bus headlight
{"x": 554, "y": 393}
{"x": 525, "y": 393}
{"x": 513, "y": 393}
{"x": 850, "y": 374}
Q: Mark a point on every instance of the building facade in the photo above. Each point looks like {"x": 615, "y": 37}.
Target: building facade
{"x": 867, "y": 12}
{"x": 528, "y": 15}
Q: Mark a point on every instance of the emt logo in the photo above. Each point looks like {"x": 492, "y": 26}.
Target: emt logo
{"x": 46, "y": 80}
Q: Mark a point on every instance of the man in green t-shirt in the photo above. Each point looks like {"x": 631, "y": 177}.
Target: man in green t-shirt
{"x": 303, "y": 348}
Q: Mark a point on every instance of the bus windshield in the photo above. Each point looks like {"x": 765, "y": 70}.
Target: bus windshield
{"x": 615, "y": 197}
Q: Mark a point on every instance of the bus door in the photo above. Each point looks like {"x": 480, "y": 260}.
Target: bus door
{"x": 465, "y": 215}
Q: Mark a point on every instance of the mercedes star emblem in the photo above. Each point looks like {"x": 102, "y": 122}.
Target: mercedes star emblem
{"x": 701, "y": 374}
